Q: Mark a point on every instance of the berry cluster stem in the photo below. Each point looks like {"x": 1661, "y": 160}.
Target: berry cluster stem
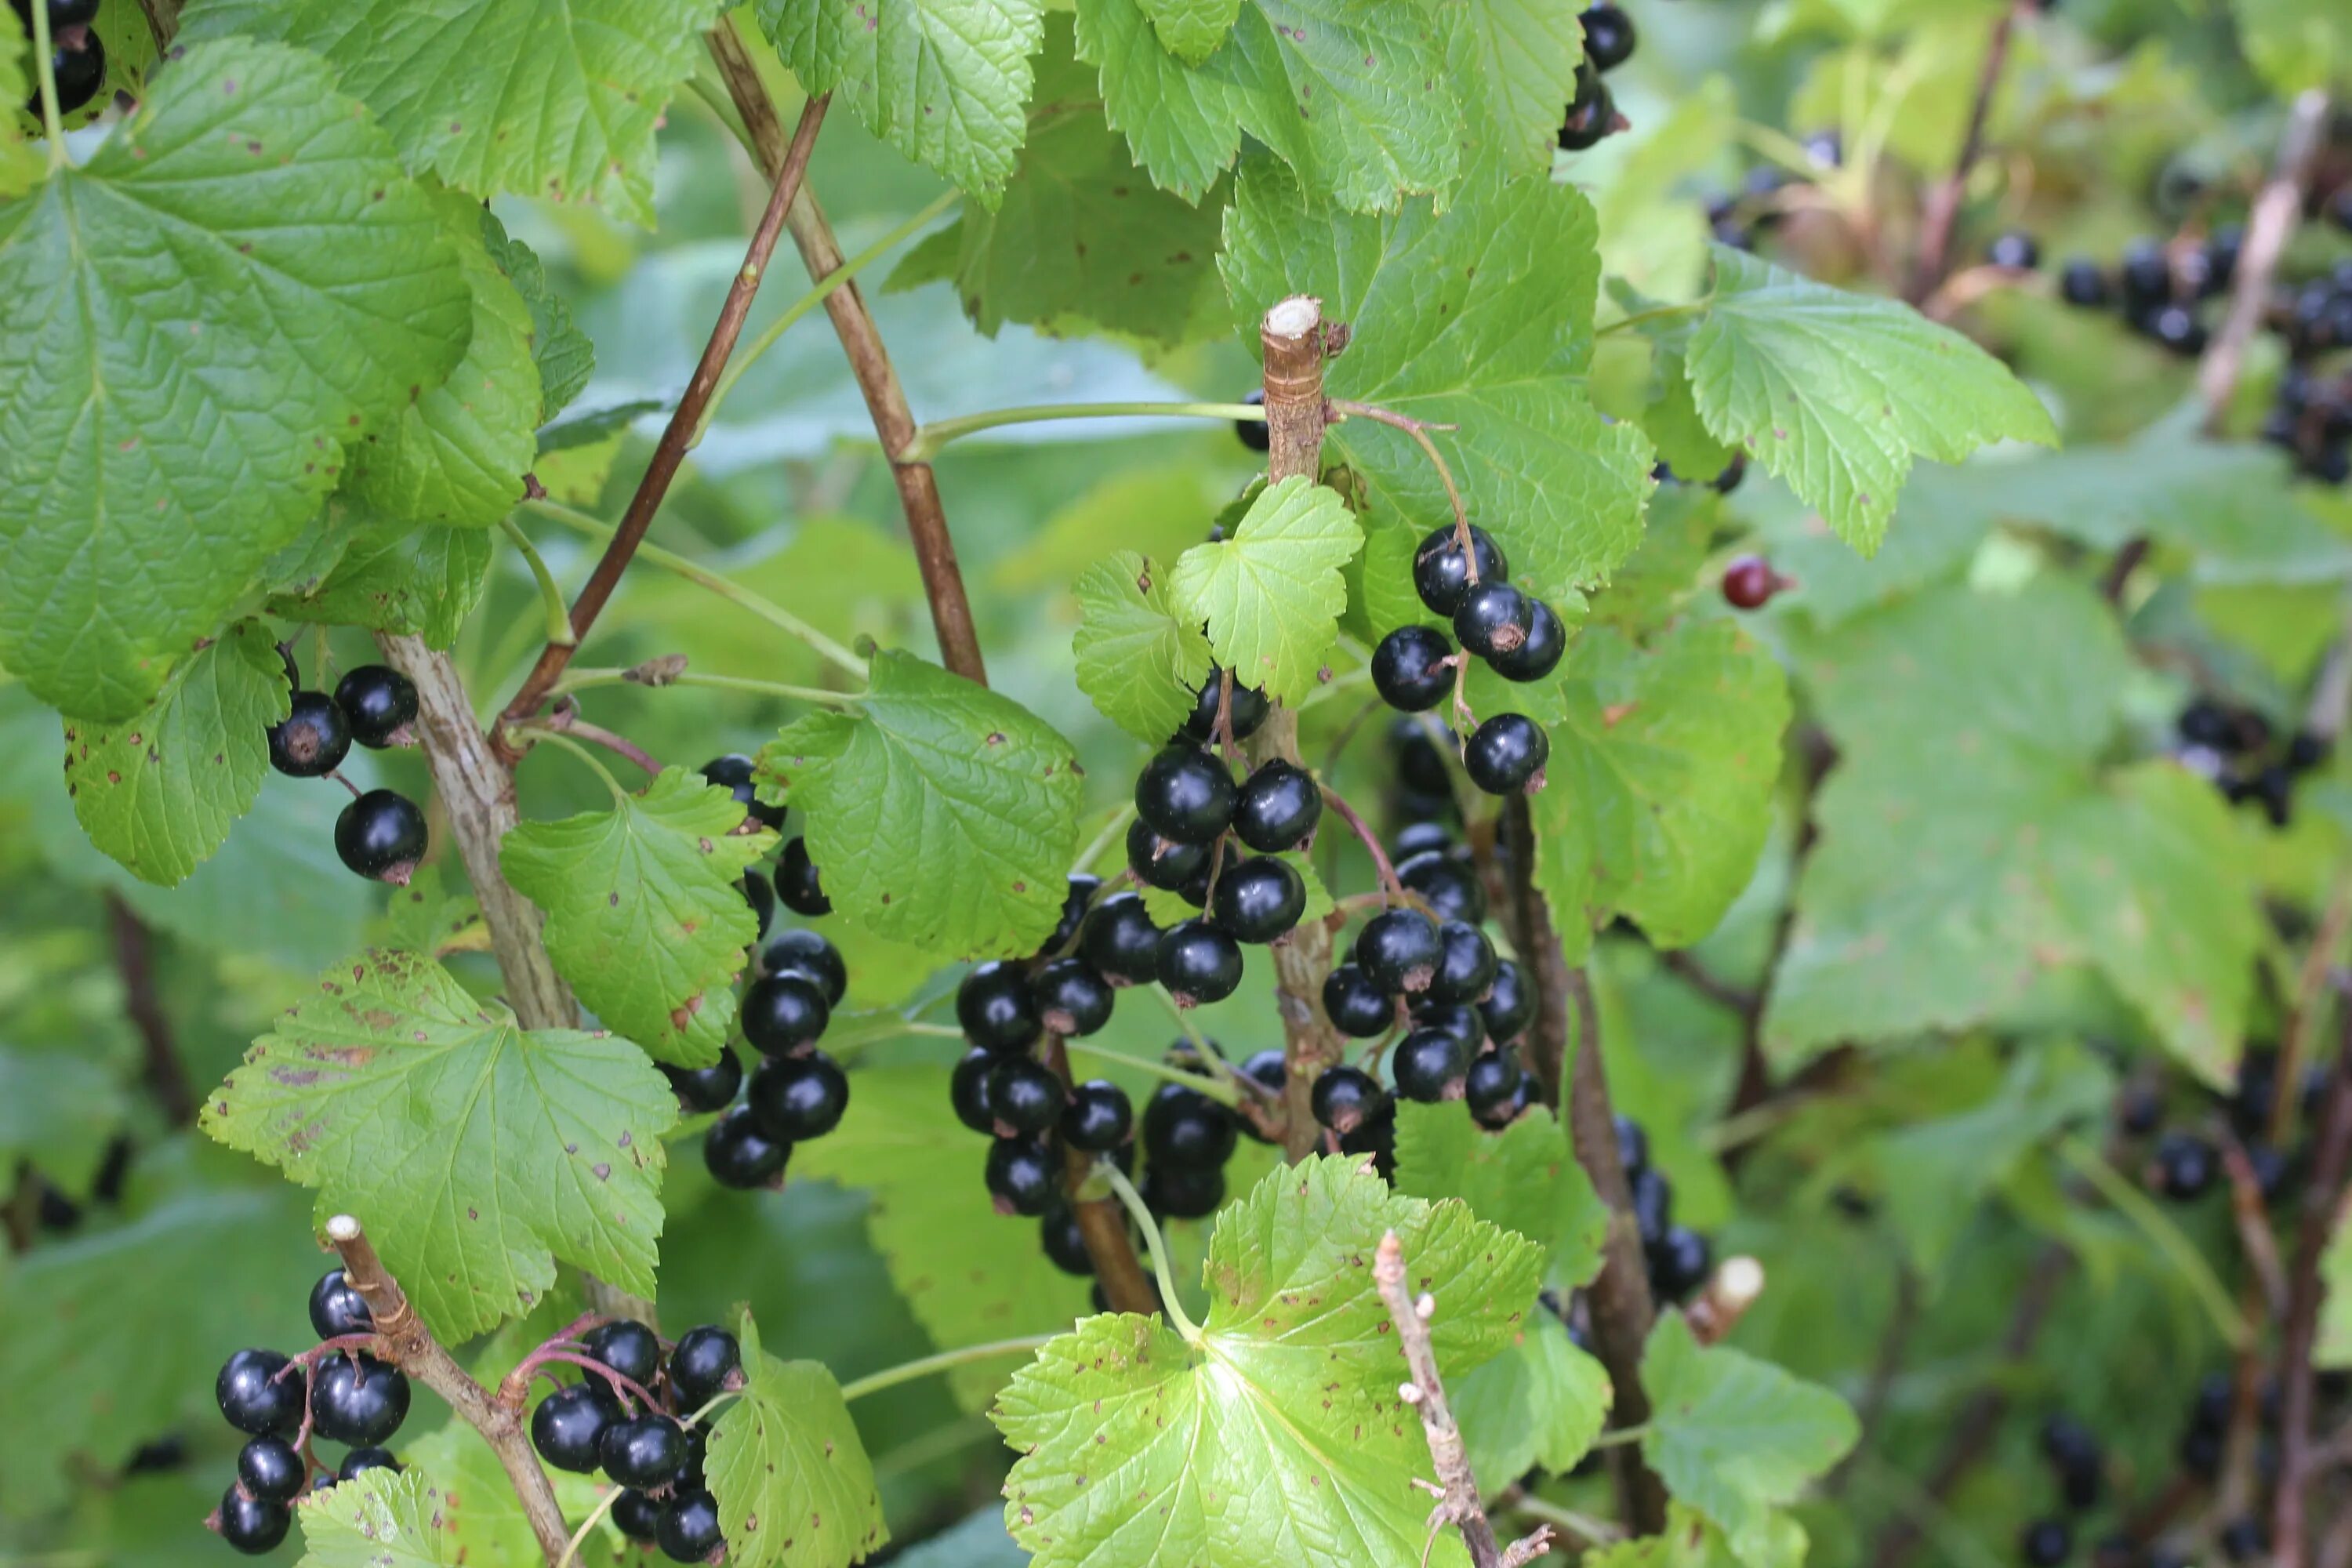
{"x": 1418, "y": 430}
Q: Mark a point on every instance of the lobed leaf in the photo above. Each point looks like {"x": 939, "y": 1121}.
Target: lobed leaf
{"x": 1138, "y": 660}
{"x": 1271, "y": 595}
{"x": 789, "y": 1471}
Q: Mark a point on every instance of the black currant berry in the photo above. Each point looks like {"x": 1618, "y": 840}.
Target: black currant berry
{"x": 2045, "y": 1542}
{"x": 1121, "y": 942}
{"x": 1465, "y": 964}
{"x": 358, "y": 1399}
{"x": 2015, "y": 250}
{"x": 1261, "y": 899}
{"x": 1098, "y": 1117}
{"x": 1173, "y": 1194}
{"x": 1222, "y": 857}
{"x": 740, "y": 1153}
{"x": 1633, "y": 1145}
{"x": 381, "y": 836}
{"x": 785, "y": 1012}
{"x": 1346, "y": 1098}
{"x": 1398, "y": 950}
{"x": 1428, "y": 1066}
{"x": 1749, "y": 583}
{"x": 1652, "y": 1202}
{"x": 732, "y": 773}
{"x": 1071, "y": 997}
{"x": 637, "y": 1516}
{"x": 644, "y": 1451}
{"x": 1254, "y": 433}
{"x": 1680, "y": 1261}
{"x": 271, "y": 1471}
{"x": 1506, "y": 755}
{"x": 1064, "y": 1242}
{"x": 312, "y": 740}
{"x": 1447, "y": 883}
{"x": 994, "y": 1007}
{"x": 2176, "y": 329}
{"x": 968, "y": 1088}
{"x": 1494, "y": 618}
{"x": 798, "y": 884}
{"x": 1250, "y": 709}
{"x": 1420, "y": 838}
{"x": 760, "y": 894}
{"x": 1412, "y": 669}
{"x": 1357, "y": 1007}
{"x": 1458, "y": 1019}
{"x": 1199, "y": 964}
{"x": 1278, "y": 808}
{"x": 1185, "y": 795}
{"x": 807, "y": 954}
{"x": 1608, "y": 36}
{"x": 2183, "y": 1167}
{"x": 1163, "y": 863}
{"x": 250, "y": 1524}
{"x": 359, "y": 1461}
{"x": 1510, "y": 1006}
{"x": 701, "y": 1091}
{"x": 798, "y": 1097}
{"x": 1185, "y": 1129}
{"x": 78, "y": 72}
{"x": 1077, "y": 900}
{"x": 1024, "y": 1175}
{"x": 1591, "y": 113}
{"x": 337, "y": 1308}
{"x": 569, "y": 1422}
{"x": 1268, "y": 1070}
{"x": 1492, "y": 1087}
{"x": 255, "y": 1398}
{"x": 700, "y": 1363}
{"x": 2082, "y": 282}
{"x": 1441, "y": 572}
{"x": 1541, "y": 654}
{"x": 1420, "y": 765}
{"x": 2146, "y": 274}
{"x": 1025, "y": 1097}
{"x": 690, "y": 1531}
{"x": 380, "y": 704}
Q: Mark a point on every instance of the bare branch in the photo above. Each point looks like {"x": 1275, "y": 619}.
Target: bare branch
{"x": 134, "y": 961}
{"x": 1943, "y": 208}
{"x": 2268, "y": 227}
{"x": 2323, "y": 1202}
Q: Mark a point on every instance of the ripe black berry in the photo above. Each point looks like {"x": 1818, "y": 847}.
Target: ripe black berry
{"x": 1186, "y": 1129}
{"x": 785, "y": 1012}
{"x": 1355, "y": 1006}
{"x": 381, "y": 835}
{"x": 248, "y": 1523}
{"x": 1510, "y": 1006}
{"x": 700, "y": 1090}
{"x": 1412, "y": 669}
{"x": 1448, "y": 884}
{"x": 2146, "y": 274}
{"x": 1267, "y": 1069}
{"x": 700, "y": 1363}
{"x": 1345, "y": 1098}
{"x": 1221, "y": 858}
{"x": 1420, "y": 765}
{"x": 1064, "y": 1243}
{"x": 1749, "y": 583}
{"x": 1159, "y": 862}
{"x": 2045, "y": 1542}
{"x": 312, "y": 740}
{"x": 379, "y": 702}
{"x": 1633, "y": 1145}
{"x": 1458, "y": 1019}
{"x": 1199, "y": 964}
{"x": 2183, "y": 1167}
{"x": 255, "y": 1398}
{"x": 1653, "y": 1201}
{"x": 1261, "y": 899}
{"x": 337, "y": 1308}
{"x": 1397, "y": 951}
{"x": 1098, "y": 1118}
{"x": 79, "y": 73}
{"x": 740, "y": 1153}
{"x": 1492, "y": 1086}
{"x": 1022, "y": 1175}
{"x": 1077, "y": 900}
{"x": 63, "y": 13}
{"x": 732, "y": 773}
{"x": 1278, "y": 808}
{"x": 994, "y": 1007}
{"x": 1185, "y": 795}
{"x": 1250, "y": 709}
{"x": 359, "y": 1461}
{"x": 1121, "y": 942}
{"x": 688, "y": 1532}
{"x": 1505, "y": 754}
{"x": 1591, "y": 113}
{"x": 2176, "y": 329}
{"x": 798, "y": 1097}
{"x": 968, "y": 1088}
{"x": 1024, "y": 1097}
{"x": 271, "y": 1471}
{"x": 637, "y": 1516}
{"x": 1608, "y": 36}
{"x": 760, "y": 894}
{"x": 1541, "y": 654}
{"x": 1174, "y": 1193}
{"x": 1071, "y": 997}
{"x": 1441, "y": 572}
{"x": 1493, "y": 618}
{"x": 1679, "y": 1262}
{"x": 358, "y": 1399}
{"x": 1428, "y": 1066}
{"x": 2016, "y": 250}
{"x": 1420, "y": 838}
{"x": 646, "y": 1451}
{"x": 2082, "y": 283}
{"x": 1254, "y": 433}
{"x": 568, "y": 1423}
{"x": 806, "y": 952}
{"x": 1465, "y": 964}
{"x": 797, "y": 882}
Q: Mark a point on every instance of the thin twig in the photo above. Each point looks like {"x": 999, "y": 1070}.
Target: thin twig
{"x": 1418, "y": 430}
{"x": 2322, "y": 1205}
{"x": 1348, "y": 814}
{"x": 2254, "y": 1239}
{"x": 568, "y": 720}
{"x": 1943, "y": 208}
{"x": 2269, "y": 225}
{"x": 1684, "y": 967}
{"x": 134, "y": 962}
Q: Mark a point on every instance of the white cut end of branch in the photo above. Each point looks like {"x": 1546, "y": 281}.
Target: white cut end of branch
{"x": 1294, "y": 317}
{"x": 1409, "y": 1392}
{"x": 1425, "y": 1307}
{"x": 1739, "y": 1281}
{"x": 343, "y": 1228}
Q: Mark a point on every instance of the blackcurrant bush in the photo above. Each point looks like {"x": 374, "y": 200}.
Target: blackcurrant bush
{"x": 1492, "y": 1086}
{"x": 1278, "y": 808}
{"x": 1458, "y": 1019}
{"x": 644, "y": 1451}
{"x": 1441, "y": 572}
{"x": 80, "y": 73}
{"x": 994, "y": 1007}
{"x": 1412, "y": 669}
{"x": 379, "y": 702}
{"x": 1250, "y": 709}
{"x": 2016, "y": 250}
{"x": 2183, "y": 1167}
{"x": 701, "y": 1091}
{"x": 255, "y": 1398}
{"x": 1260, "y": 899}
{"x": 271, "y": 1471}
{"x": 2083, "y": 283}
{"x": 1608, "y": 36}
{"x": 1186, "y": 1129}
{"x": 1419, "y": 838}
{"x": 968, "y": 1088}
{"x": 1355, "y": 1005}
{"x": 2045, "y": 1542}
{"x": 1632, "y": 1146}
{"x": 637, "y": 1516}
{"x": 1541, "y": 654}
{"x": 1254, "y": 433}
{"x": 1398, "y": 950}
{"x": 1024, "y": 1097}
{"x": 357, "y": 1399}
{"x": 740, "y": 1153}
{"x": 1121, "y": 942}
{"x": 760, "y": 894}
{"x": 1173, "y": 1194}
{"x": 798, "y": 1097}
{"x": 1345, "y": 1098}
{"x": 732, "y": 773}
{"x": 1071, "y": 997}
{"x": 359, "y": 1461}
{"x": 807, "y": 954}
{"x": 1506, "y": 755}
{"x": 700, "y": 1363}
{"x": 1749, "y": 583}
{"x": 1022, "y": 1175}
{"x": 381, "y": 835}
{"x": 785, "y": 1012}
{"x": 337, "y": 1308}
{"x": 1186, "y": 795}
{"x": 1465, "y": 964}
{"x": 1493, "y": 618}
{"x": 569, "y": 1422}
{"x": 798, "y": 886}
{"x": 312, "y": 740}
{"x": 1163, "y": 863}
{"x": 688, "y": 1532}
{"x": 1077, "y": 900}
{"x": 1199, "y": 964}
{"x": 250, "y": 1524}
{"x": 1447, "y": 883}
{"x": 1428, "y": 1065}
{"x": 1679, "y": 1262}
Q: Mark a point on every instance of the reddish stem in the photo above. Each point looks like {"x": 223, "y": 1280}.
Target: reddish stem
{"x": 1347, "y": 813}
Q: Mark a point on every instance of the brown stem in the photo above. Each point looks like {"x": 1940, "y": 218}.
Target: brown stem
{"x": 869, "y": 360}
{"x": 163, "y": 21}
{"x": 1372, "y": 843}
{"x": 2322, "y": 1199}
{"x": 134, "y": 961}
{"x": 402, "y": 1340}
{"x": 2268, "y": 227}
{"x": 1739, "y": 999}
{"x": 1102, "y": 1221}
{"x": 1418, "y": 430}
{"x": 678, "y": 435}
{"x": 1943, "y": 208}
{"x": 1526, "y": 918}
{"x": 567, "y": 721}
{"x": 2254, "y": 1239}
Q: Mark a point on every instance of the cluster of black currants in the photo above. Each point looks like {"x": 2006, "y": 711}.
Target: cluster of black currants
{"x": 77, "y": 57}
{"x": 2312, "y": 414}
{"x": 1679, "y": 1258}
{"x": 1758, "y": 208}
{"x": 380, "y": 833}
{"x": 794, "y": 881}
{"x": 351, "y": 1397}
{"x": 1608, "y": 39}
{"x": 1520, "y": 637}
{"x": 2157, "y": 287}
{"x": 2238, "y": 749}
{"x": 629, "y": 1426}
{"x": 2080, "y": 1469}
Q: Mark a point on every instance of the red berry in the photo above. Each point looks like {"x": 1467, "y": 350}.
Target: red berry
{"x": 1749, "y": 583}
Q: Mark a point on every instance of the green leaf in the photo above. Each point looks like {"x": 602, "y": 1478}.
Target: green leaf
{"x": 1660, "y": 781}
{"x": 940, "y": 813}
{"x": 1479, "y": 318}
{"x": 186, "y": 404}
{"x": 560, "y": 351}
{"x": 476, "y": 1153}
{"x": 476, "y": 1517}
{"x": 1356, "y": 99}
{"x": 794, "y": 1484}
{"x": 553, "y": 99}
{"x": 1271, "y": 595}
{"x": 969, "y": 1274}
{"x": 978, "y": 1540}
{"x": 160, "y": 791}
{"x": 2296, "y": 45}
{"x": 1137, "y": 661}
{"x": 944, "y": 81}
{"x": 1515, "y": 63}
{"x": 1733, "y": 1437}
{"x": 57, "y": 1109}
{"x": 1282, "y": 1424}
{"x": 1524, "y": 1179}
{"x": 381, "y": 1519}
{"x": 1191, "y": 29}
{"x": 1837, "y": 393}
{"x": 646, "y": 914}
{"x": 361, "y": 568}
{"x": 1539, "y": 1404}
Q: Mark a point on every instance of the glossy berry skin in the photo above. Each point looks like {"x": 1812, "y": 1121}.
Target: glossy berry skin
{"x": 1173, "y": 1194}
{"x": 1592, "y": 114}
{"x": 2045, "y": 1542}
{"x": 637, "y": 1516}
{"x": 1491, "y": 1087}
{"x": 1071, "y": 997}
{"x": 2082, "y": 283}
{"x": 740, "y": 1153}
{"x": 1022, "y": 1175}
{"x": 1652, "y": 1202}
{"x": 1254, "y": 433}
{"x": 968, "y": 1088}
{"x": 1260, "y": 899}
{"x": 312, "y": 740}
{"x": 1077, "y": 900}
{"x": 1465, "y": 964}
{"x": 378, "y": 702}
{"x": 1398, "y": 950}
{"x": 248, "y": 1523}
{"x": 1458, "y": 1019}
{"x": 2183, "y": 1167}
{"x": 1420, "y": 765}
{"x": 1186, "y": 796}
{"x": 2177, "y": 329}
{"x": 80, "y": 73}
{"x": 1411, "y": 668}
{"x": 1449, "y": 884}
{"x": 1199, "y": 964}
{"x": 1633, "y": 1145}
{"x": 1163, "y": 863}
{"x": 700, "y": 1363}
{"x": 760, "y": 894}
{"x": 701, "y": 1091}
{"x": 784, "y": 1013}
{"x": 254, "y": 1399}
{"x": 798, "y": 886}
{"x": 1346, "y": 1098}
{"x": 357, "y": 1399}
{"x": 1098, "y": 1118}
{"x": 732, "y": 773}
{"x": 994, "y": 1007}
{"x": 1749, "y": 583}
{"x": 1267, "y": 1069}
{"x": 1186, "y": 1130}
{"x": 1542, "y": 653}
{"x": 1505, "y": 754}
{"x": 1357, "y": 1007}
{"x": 338, "y": 1308}
{"x": 381, "y": 835}
{"x": 359, "y": 1461}
{"x": 1428, "y": 1065}
{"x": 799, "y": 1097}
{"x": 644, "y": 1451}
{"x": 1121, "y": 942}
{"x": 2016, "y": 250}
{"x": 1609, "y": 36}
{"x": 271, "y": 1469}
{"x": 1064, "y": 1243}
{"x": 1493, "y": 618}
{"x": 688, "y": 1532}
{"x": 2146, "y": 274}
{"x": 1250, "y": 708}
{"x": 1024, "y": 1098}
{"x": 1510, "y": 1005}
{"x": 808, "y": 953}
{"x": 1441, "y": 572}
{"x": 1421, "y": 838}
{"x": 567, "y": 1425}
{"x": 1222, "y": 857}
{"x": 1680, "y": 1261}
{"x": 1278, "y": 808}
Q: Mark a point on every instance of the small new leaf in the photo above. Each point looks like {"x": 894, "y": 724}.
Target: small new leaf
{"x": 563, "y": 352}
{"x": 790, "y": 1473}
{"x": 380, "y": 1519}
{"x": 1524, "y": 1179}
{"x": 1191, "y": 29}
{"x": 1271, "y": 595}
{"x": 1137, "y": 661}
